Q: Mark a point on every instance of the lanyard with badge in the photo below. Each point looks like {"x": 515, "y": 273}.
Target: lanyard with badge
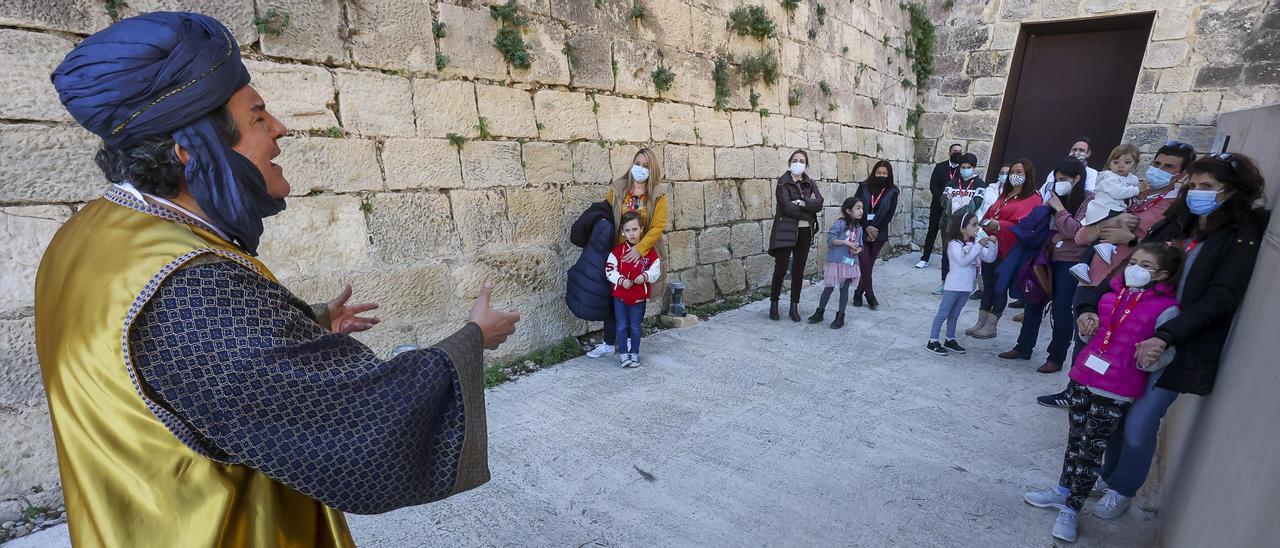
{"x": 875, "y": 202}
{"x": 1095, "y": 361}
{"x": 853, "y": 237}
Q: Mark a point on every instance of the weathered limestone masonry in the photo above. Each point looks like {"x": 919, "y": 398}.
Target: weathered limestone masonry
{"x": 1204, "y": 57}
{"x": 384, "y": 200}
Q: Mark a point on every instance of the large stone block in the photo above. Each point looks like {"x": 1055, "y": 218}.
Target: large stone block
{"x": 675, "y": 162}
{"x": 611, "y": 16}
{"x": 373, "y": 103}
{"x": 689, "y": 204}
{"x": 590, "y": 60}
{"x": 492, "y": 163}
{"x": 731, "y": 277}
{"x": 565, "y": 115}
{"x": 28, "y": 457}
{"x": 408, "y": 227}
{"x": 797, "y": 135}
{"x": 700, "y": 284}
{"x": 622, "y": 119}
{"x": 392, "y": 34}
{"x": 759, "y": 270}
{"x": 547, "y": 163}
{"x": 48, "y": 164}
{"x": 237, "y": 15}
{"x": 735, "y": 163}
{"x": 339, "y": 165}
{"x": 722, "y": 203}
{"x": 406, "y": 295}
{"x": 989, "y": 86}
{"x": 468, "y": 43}
{"x": 746, "y": 128}
{"x": 481, "y": 218}
{"x": 633, "y": 66}
{"x": 24, "y": 234}
{"x": 316, "y": 234}
{"x": 19, "y": 369}
{"x": 757, "y": 198}
{"x": 590, "y": 163}
{"x": 1165, "y": 54}
{"x": 537, "y": 216}
{"x": 314, "y": 31}
{"x": 976, "y": 125}
{"x": 513, "y": 274}
{"x": 301, "y": 96}
{"x": 672, "y": 122}
{"x": 773, "y": 130}
{"x": 746, "y": 239}
{"x": 82, "y": 16}
{"x": 666, "y": 22}
{"x": 445, "y": 107}
{"x": 831, "y": 137}
{"x": 546, "y": 47}
{"x": 682, "y": 251}
{"x": 28, "y": 58}
{"x": 770, "y": 162}
{"x": 712, "y": 127}
{"x": 713, "y": 245}
{"x": 1197, "y": 109}
{"x": 693, "y": 83}
{"x": 702, "y": 163}
{"x": 621, "y": 157}
{"x": 421, "y": 163}
{"x": 508, "y": 112}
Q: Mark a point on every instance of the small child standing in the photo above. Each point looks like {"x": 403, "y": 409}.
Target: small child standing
{"x": 1107, "y": 377}
{"x": 1114, "y": 186}
{"x": 631, "y": 282}
{"x": 844, "y": 243}
{"x": 966, "y": 254}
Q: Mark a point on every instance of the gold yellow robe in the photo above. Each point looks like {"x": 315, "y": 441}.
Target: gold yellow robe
{"x": 139, "y": 470}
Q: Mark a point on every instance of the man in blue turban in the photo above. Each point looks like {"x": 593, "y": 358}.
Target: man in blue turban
{"x": 195, "y": 400}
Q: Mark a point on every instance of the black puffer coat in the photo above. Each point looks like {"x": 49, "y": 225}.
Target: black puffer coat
{"x": 589, "y": 294}
{"x": 787, "y": 215}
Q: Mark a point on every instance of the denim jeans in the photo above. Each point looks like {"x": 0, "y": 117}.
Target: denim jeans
{"x": 991, "y": 302}
{"x": 1064, "y": 325}
{"x": 1133, "y": 445}
{"x": 952, "y": 303}
{"x": 628, "y": 317}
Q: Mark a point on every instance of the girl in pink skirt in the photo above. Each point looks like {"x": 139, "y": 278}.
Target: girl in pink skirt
{"x": 844, "y": 243}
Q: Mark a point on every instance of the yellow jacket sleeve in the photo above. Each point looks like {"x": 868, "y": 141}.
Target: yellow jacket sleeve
{"x": 657, "y": 224}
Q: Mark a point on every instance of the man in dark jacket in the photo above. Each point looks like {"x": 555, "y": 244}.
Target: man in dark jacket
{"x": 588, "y": 293}
{"x": 943, "y": 172}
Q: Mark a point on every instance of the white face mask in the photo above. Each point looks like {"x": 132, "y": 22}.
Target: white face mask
{"x": 797, "y": 169}
{"x": 1017, "y": 179}
{"x": 1136, "y": 277}
{"x": 1062, "y": 188}
{"x": 639, "y": 173}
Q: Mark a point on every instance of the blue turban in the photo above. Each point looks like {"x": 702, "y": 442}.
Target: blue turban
{"x": 165, "y": 74}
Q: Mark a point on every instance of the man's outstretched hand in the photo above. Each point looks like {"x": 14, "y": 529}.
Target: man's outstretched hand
{"x": 345, "y": 318}
{"x": 496, "y": 326}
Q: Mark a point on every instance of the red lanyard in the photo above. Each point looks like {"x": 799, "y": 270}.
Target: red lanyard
{"x": 971, "y": 184}
{"x": 995, "y": 213}
{"x": 1140, "y": 207}
{"x": 875, "y": 200}
{"x": 1189, "y": 246}
{"x": 1115, "y": 322}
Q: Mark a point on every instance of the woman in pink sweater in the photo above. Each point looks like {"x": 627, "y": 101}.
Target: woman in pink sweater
{"x": 1107, "y": 377}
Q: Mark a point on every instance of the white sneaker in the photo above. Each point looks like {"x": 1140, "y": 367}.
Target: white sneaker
{"x": 1112, "y": 505}
{"x": 624, "y": 360}
{"x": 922, "y": 264}
{"x": 1106, "y": 250}
{"x": 1065, "y": 526}
{"x": 1081, "y": 272}
{"x": 600, "y": 350}
{"x": 634, "y": 360}
{"x": 1098, "y": 488}
{"x": 1053, "y": 497}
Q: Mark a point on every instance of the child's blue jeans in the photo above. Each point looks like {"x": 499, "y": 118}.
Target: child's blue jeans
{"x": 949, "y": 311}
{"x": 628, "y": 317}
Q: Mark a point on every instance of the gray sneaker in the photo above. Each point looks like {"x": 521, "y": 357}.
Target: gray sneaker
{"x": 635, "y": 360}
{"x": 1065, "y": 526}
{"x": 600, "y": 350}
{"x": 1053, "y": 497}
{"x": 1112, "y": 505}
{"x": 625, "y": 360}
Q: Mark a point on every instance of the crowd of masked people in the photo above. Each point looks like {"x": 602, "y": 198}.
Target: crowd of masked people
{"x": 1140, "y": 270}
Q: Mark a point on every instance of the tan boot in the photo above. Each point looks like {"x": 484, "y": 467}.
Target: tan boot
{"x": 988, "y": 330}
{"x": 1019, "y": 317}
{"x": 982, "y": 321}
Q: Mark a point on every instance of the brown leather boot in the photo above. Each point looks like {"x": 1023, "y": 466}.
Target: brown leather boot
{"x": 1014, "y": 355}
{"x": 1050, "y": 367}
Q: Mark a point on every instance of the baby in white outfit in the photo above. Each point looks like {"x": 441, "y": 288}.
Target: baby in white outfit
{"x": 1115, "y": 186}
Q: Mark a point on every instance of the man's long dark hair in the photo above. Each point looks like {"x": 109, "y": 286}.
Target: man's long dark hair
{"x": 152, "y": 166}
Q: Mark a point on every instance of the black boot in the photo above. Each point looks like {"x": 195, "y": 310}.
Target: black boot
{"x": 839, "y": 321}
{"x": 872, "y": 303}
{"x": 817, "y": 316}
{"x": 857, "y": 298}
{"x": 793, "y": 313}
{"x": 773, "y": 310}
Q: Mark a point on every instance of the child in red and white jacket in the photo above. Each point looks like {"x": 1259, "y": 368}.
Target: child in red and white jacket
{"x": 631, "y": 281}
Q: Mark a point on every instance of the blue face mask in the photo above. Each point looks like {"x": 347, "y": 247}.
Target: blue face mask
{"x": 1158, "y": 178}
{"x": 966, "y": 173}
{"x": 1202, "y": 202}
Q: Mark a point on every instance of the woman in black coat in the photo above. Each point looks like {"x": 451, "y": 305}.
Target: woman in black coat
{"x": 880, "y": 197}
{"x": 1218, "y": 225}
{"x": 795, "y": 220}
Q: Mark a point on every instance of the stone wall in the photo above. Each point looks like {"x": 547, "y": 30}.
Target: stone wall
{"x": 1204, "y": 57}
{"x": 382, "y": 199}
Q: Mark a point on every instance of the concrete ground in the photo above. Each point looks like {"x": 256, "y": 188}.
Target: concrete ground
{"x": 742, "y": 431}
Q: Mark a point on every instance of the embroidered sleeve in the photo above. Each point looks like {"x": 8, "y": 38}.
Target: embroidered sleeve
{"x": 239, "y": 361}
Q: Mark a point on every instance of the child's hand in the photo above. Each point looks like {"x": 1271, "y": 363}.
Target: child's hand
{"x": 984, "y": 242}
{"x": 639, "y": 279}
{"x": 1087, "y": 323}
{"x": 626, "y": 284}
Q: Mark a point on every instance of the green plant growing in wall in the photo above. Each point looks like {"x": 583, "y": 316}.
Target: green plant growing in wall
{"x": 920, "y": 42}
{"x": 662, "y": 78}
{"x": 273, "y": 22}
{"x": 720, "y": 75}
{"x": 875, "y": 103}
{"x": 539, "y": 125}
{"x": 906, "y": 83}
{"x": 885, "y": 40}
{"x": 456, "y": 140}
{"x": 755, "y": 100}
{"x": 795, "y": 97}
{"x": 333, "y": 132}
{"x": 697, "y": 135}
{"x": 790, "y": 5}
{"x": 442, "y": 61}
{"x": 595, "y": 105}
{"x": 602, "y": 143}
{"x": 510, "y": 38}
{"x": 949, "y": 4}
{"x": 751, "y": 21}
{"x": 762, "y": 66}
{"x": 764, "y": 112}
{"x": 879, "y": 149}
{"x": 614, "y": 64}
{"x": 483, "y": 128}
{"x": 571, "y": 54}
{"x": 637, "y": 11}
{"x": 438, "y": 29}
{"x": 831, "y": 107}
{"x": 844, "y": 50}
{"x": 113, "y": 10}
{"x": 824, "y": 87}
{"x": 366, "y": 205}
{"x": 821, "y": 12}
{"x": 813, "y": 34}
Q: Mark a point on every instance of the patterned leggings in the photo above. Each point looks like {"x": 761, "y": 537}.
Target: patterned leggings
{"x": 1093, "y": 418}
